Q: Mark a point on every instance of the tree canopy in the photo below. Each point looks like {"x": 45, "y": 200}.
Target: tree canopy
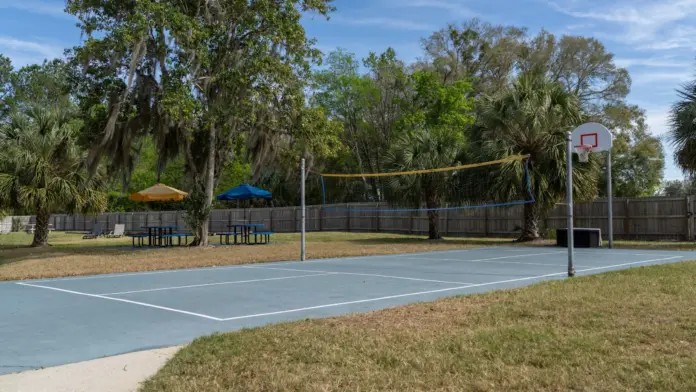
{"x": 205, "y": 95}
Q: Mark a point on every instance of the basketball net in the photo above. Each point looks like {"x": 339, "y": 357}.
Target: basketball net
{"x": 584, "y": 152}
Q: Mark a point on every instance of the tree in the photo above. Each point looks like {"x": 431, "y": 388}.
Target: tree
{"x": 582, "y": 66}
{"x": 683, "y": 127}
{"x": 5, "y": 86}
{"x": 484, "y": 53}
{"x": 529, "y": 118}
{"x": 674, "y": 188}
{"x": 368, "y": 106}
{"x": 197, "y": 75}
{"x": 431, "y": 138}
{"x": 42, "y": 168}
{"x": 637, "y": 157}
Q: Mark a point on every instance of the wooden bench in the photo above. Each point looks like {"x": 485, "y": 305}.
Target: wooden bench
{"x": 265, "y": 237}
{"x": 168, "y": 238}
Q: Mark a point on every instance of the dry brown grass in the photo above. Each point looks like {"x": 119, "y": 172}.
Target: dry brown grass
{"x": 631, "y": 330}
{"x": 71, "y": 256}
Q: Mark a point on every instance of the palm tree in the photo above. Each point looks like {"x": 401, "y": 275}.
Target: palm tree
{"x": 683, "y": 127}
{"x": 42, "y": 168}
{"x": 424, "y": 149}
{"x": 529, "y": 118}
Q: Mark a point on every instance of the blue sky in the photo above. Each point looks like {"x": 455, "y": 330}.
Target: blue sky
{"x": 654, "y": 39}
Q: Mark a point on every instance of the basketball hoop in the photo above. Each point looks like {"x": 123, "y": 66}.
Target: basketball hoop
{"x": 584, "y": 152}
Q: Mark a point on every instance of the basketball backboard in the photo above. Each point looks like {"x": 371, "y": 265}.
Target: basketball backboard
{"x": 592, "y": 134}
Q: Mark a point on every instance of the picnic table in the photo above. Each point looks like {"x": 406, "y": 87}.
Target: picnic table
{"x": 244, "y": 231}
{"x": 156, "y": 234}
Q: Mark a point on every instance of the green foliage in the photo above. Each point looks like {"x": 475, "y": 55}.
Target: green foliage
{"x": 197, "y": 78}
{"x": 367, "y": 107}
{"x": 431, "y": 137}
{"x": 42, "y": 168}
{"x": 5, "y": 86}
{"x": 637, "y": 156}
{"x": 683, "y": 127}
{"x": 16, "y": 225}
{"x": 530, "y": 118}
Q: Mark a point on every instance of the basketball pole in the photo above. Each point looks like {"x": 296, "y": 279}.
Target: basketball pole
{"x": 610, "y": 201}
{"x": 302, "y": 208}
{"x": 569, "y": 197}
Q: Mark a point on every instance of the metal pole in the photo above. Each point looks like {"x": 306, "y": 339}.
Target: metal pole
{"x": 569, "y": 193}
{"x": 610, "y": 198}
{"x": 302, "y": 207}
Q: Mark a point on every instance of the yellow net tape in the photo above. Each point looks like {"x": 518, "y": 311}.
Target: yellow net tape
{"x": 442, "y": 169}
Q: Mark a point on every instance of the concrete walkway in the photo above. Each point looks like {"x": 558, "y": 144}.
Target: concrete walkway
{"x": 121, "y": 373}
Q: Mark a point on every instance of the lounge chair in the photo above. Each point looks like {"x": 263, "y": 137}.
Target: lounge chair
{"x": 97, "y": 231}
{"x": 118, "y": 231}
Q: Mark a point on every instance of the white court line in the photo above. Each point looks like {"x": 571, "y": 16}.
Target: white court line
{"x": 438, "y": 291}
{"x": 328, "y": 260}
{"x": 492, "y": 259}
{"x": 225, "y": 267}
{"x": 217, "y": 284}
{"x": 356, "y": 273}
{"x": 122, "y": 300}
{"x": 342, "y": 303}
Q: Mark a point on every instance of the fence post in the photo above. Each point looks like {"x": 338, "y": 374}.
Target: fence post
{"x": 627, "y": 219}
{"x": 294, "y": 220}
{"x": 447, "y": 222}
{"x": 321, "y": 218}
{"x": 410, "y": 222}
{"x": 271, "y": 219}
{"x": 689, "y": 219}
{"x": 229, "y": 219}
{"x": 348, "y": 216}
{"x": 379, "y": 218}
{"x": 485, "y": 222}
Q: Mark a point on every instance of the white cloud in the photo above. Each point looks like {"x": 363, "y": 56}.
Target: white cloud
{"x": 665, "y": 62}
{"x": 36, "y": 7}
{"x": 657, "y": 119}
{"x": 384, "y": 22}
{"x": 23, "y": 52}
{"x": 678, "y": 77}
{"x": 579, "y": 26}
{"x": 652, "y": 25}
{"x": 452, "y": 8}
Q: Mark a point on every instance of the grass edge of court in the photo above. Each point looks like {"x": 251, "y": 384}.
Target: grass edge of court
{"x": 227, "y": 353}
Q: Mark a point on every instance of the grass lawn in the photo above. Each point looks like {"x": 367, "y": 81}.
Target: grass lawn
{"x": 70, "y": 255}
{"x": 621, "y": 331}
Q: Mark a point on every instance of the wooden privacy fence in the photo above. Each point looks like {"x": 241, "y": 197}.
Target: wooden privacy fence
{"x": 653, "y": 218}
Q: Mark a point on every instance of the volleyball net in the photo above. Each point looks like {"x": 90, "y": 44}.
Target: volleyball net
{"x": 499, "y": 183}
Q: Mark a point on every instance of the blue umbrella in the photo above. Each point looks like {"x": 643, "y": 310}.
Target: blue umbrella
{"x": 245, "y": 192}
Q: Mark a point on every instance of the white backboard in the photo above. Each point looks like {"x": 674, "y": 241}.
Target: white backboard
{"x": 592, "y": 134}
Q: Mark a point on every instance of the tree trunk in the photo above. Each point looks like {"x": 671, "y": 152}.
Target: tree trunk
{"x": 41, "y": 230}
{"x": 432, "y": 200}
{"x": 209, "y": 186}
{"x": 434, "y": 225}
{"x": 530, "y": 231}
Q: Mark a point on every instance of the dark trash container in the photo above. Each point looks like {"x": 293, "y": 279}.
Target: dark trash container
{"x": 582, "y": 238}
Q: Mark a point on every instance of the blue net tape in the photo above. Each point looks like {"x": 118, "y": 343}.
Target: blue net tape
{"x": 505, "y": 204}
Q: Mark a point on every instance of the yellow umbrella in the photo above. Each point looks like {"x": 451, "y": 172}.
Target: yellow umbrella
{"x": 159, "y": 192}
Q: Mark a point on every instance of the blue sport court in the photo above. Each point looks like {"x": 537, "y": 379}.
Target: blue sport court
{"x": 57, "y": 321}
